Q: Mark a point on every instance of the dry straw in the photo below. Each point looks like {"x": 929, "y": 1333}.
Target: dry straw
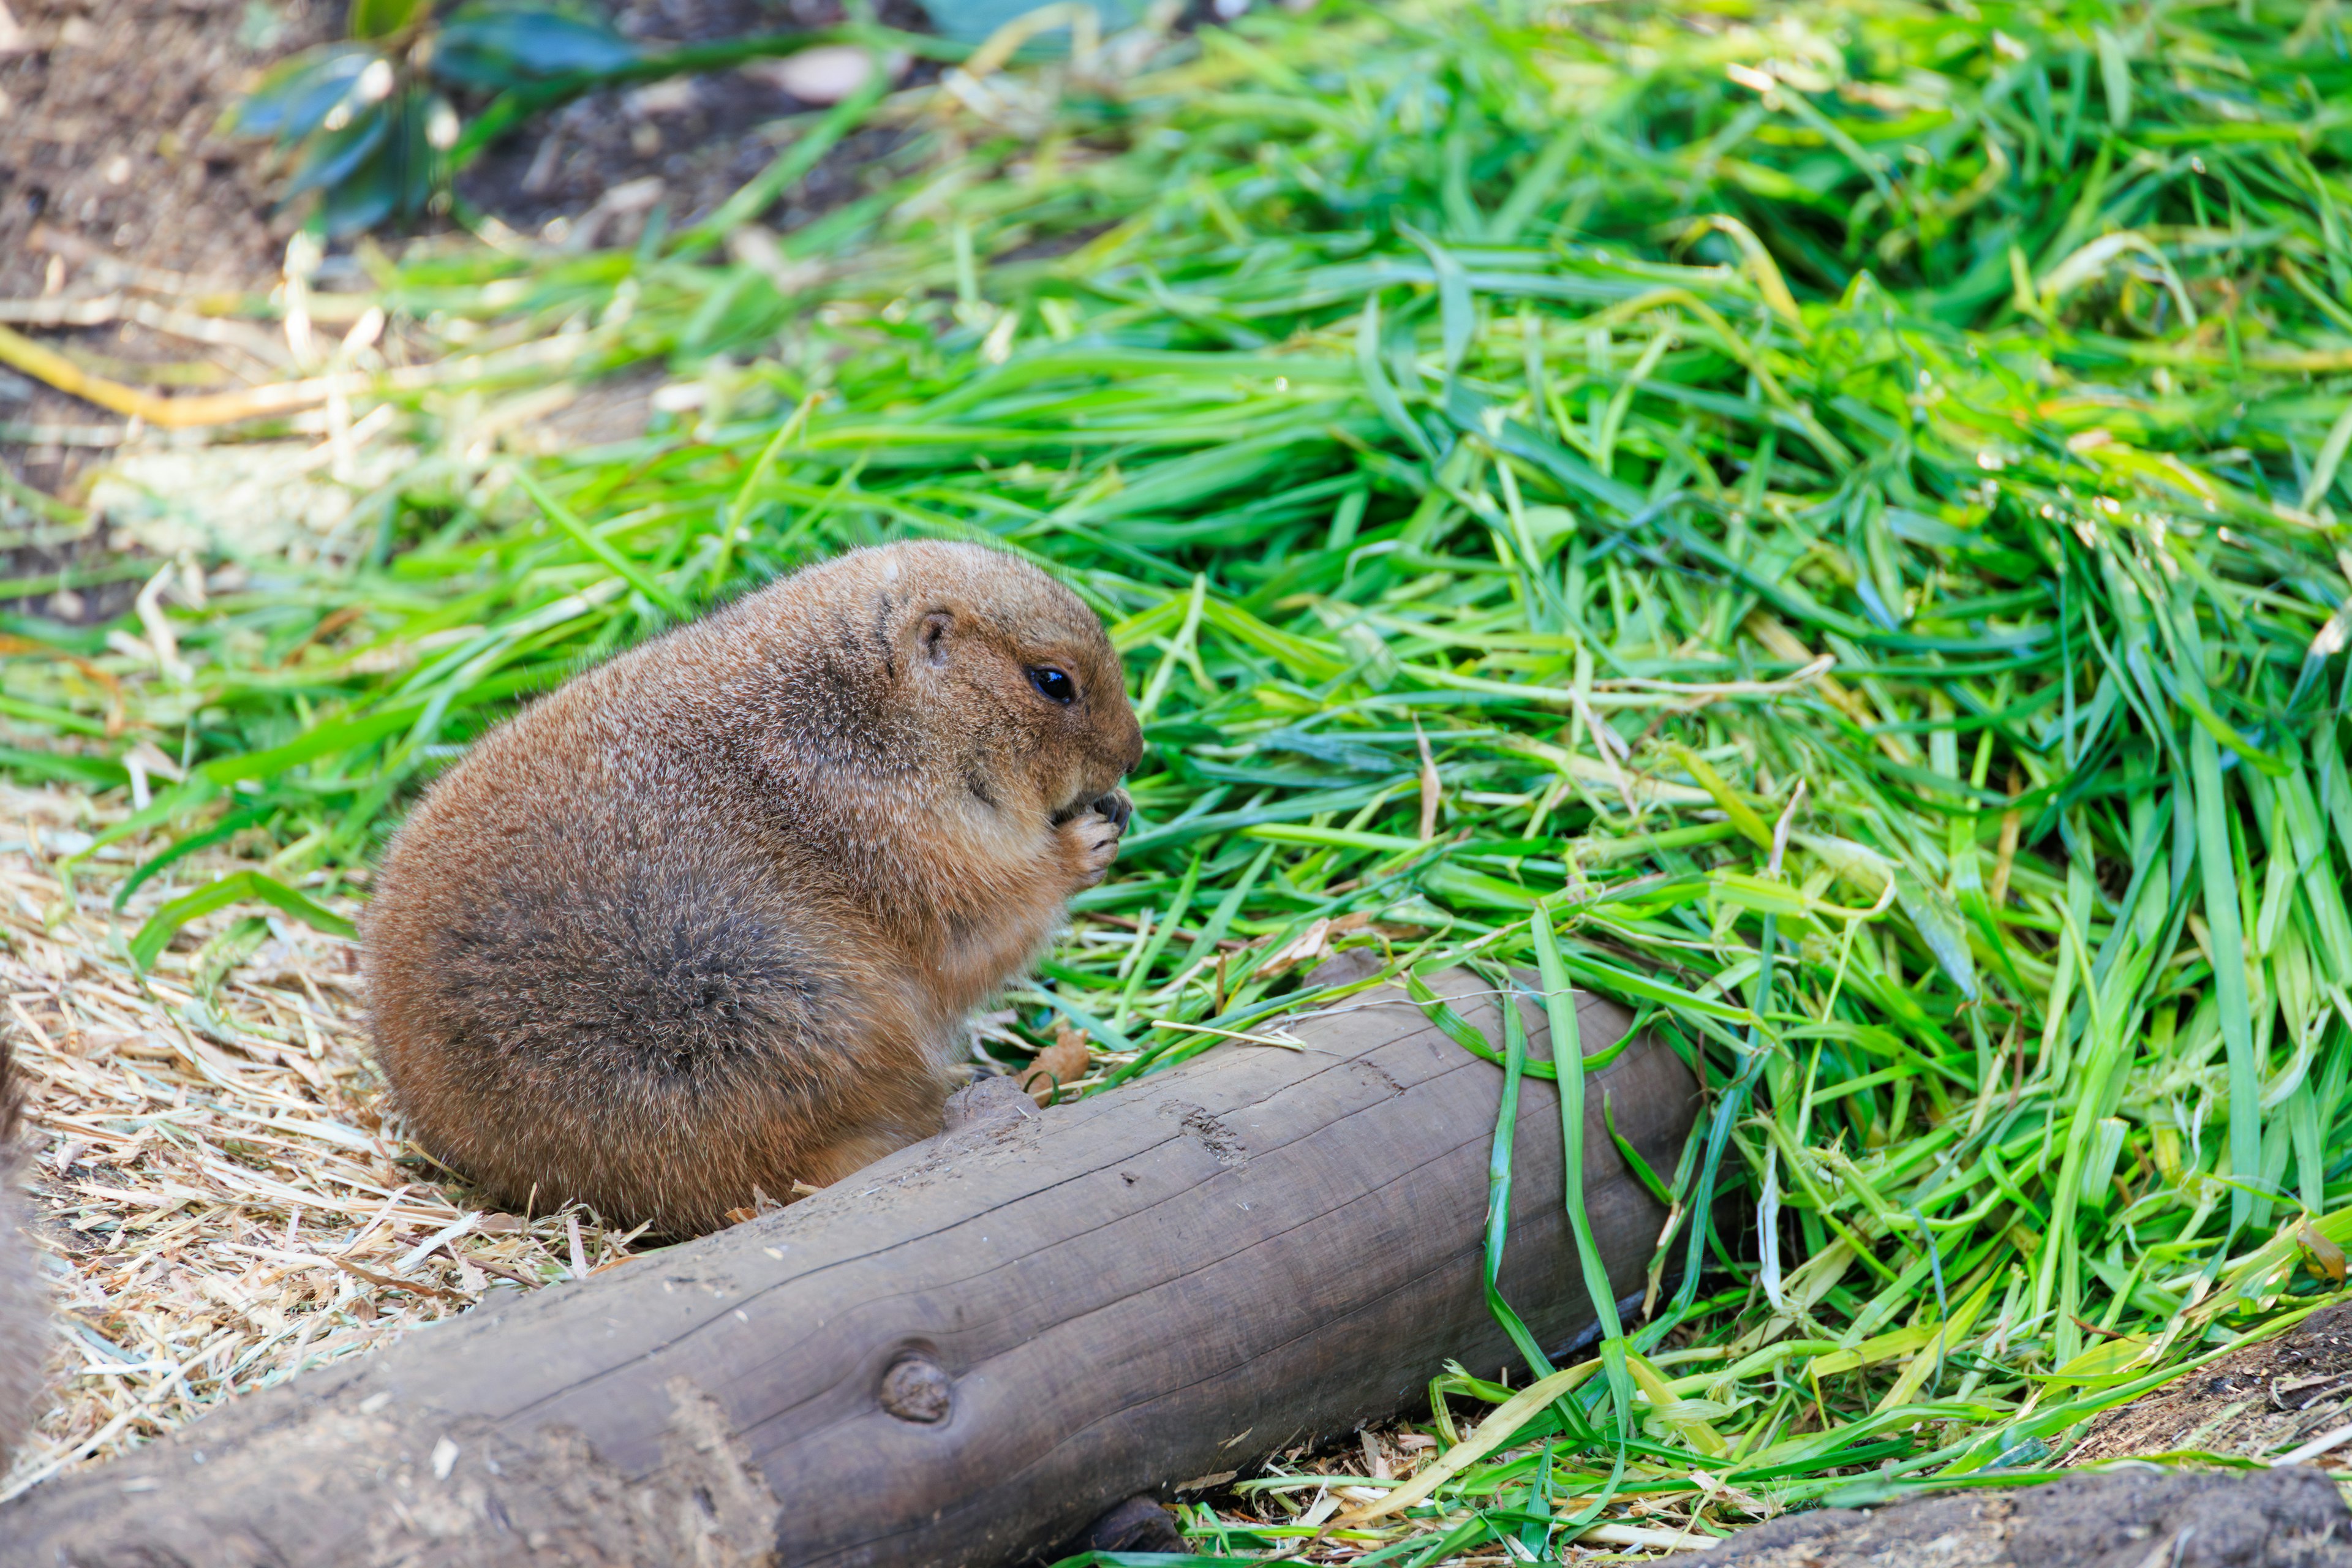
{"x": 221, "y": 1198}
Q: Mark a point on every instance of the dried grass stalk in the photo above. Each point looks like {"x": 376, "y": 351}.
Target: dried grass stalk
{"x": 222, "y": 1194}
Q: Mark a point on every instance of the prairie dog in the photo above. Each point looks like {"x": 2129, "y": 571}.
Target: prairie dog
{"x": 710, "y": 916}
{"x": 23, "y": 1302}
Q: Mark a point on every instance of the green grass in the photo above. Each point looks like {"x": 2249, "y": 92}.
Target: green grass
{"x": 1562, "y": 392}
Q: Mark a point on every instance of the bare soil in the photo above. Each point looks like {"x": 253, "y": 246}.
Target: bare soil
{"x": 109, "y": 131}
{"x": 700, "y": 138}
{"x": 2254, "y": 1402}
{"x": 2289, "y": 1518}
{"x": 114, "y": 172}
{"x": 109, "y": 137}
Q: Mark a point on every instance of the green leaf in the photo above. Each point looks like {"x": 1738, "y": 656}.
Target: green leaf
{"x": 296, "y": 97}
{"x": 1460, "y": 1031}
{"x": 627, "y": 570}
{"x": 1377, "y": 384}
{"x": 382, "y": 18}
{"x": 94, "y": 772}
{"x": 1499, "y": 1188}
{"x": 2115, "y": 72}
{"x": 492, "y": 49}
{"x": 1457, "y": 314}
{"x": 2226, "y": 930}
{"x": 333, "y": 159}
{"x": 1567, "y": 1064}
{"x": 345, "y": 735}
{"x": 1643, "y": 1173}
{"x": 2108, "y": 1362}
{"x": 221, "y": 832}
{"x": 156, "y": 934}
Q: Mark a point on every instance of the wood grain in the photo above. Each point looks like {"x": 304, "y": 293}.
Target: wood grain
{"x": 1258, "y": 1248}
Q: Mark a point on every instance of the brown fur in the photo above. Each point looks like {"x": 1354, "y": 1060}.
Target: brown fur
{"x": 710, "y": 916}
{"x": 23, "y": 1302}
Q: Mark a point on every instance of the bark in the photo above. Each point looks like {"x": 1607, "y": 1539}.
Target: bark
{"x": 959, "y": 1356}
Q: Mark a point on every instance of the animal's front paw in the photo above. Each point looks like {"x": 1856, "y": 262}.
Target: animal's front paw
{"x": 1093, "y": 836}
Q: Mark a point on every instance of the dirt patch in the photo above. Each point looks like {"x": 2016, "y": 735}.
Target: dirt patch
{"x": 108, "y": 136}
{"x": 2253, "y": 1402}
{"x": 597, "y": 169}
{"x": 115, "y": 179}
{"x": 2289, "y": 1518}
{"x": 108, "y": 130}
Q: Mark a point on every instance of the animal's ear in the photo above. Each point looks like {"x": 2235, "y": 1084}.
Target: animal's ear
{"x": 934, "y": 636}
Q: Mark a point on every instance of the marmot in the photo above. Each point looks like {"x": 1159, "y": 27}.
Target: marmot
{"x": 24, "y": 1303}
{"x": 710, "y": 917}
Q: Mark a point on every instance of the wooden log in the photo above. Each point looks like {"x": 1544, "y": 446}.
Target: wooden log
{"x": 959, "y": 1356}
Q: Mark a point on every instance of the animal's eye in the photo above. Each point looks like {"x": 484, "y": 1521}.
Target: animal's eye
{"x": 1052, "y": 685}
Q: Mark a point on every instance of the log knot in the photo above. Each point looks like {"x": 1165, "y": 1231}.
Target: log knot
{"x": 918, "y": 1388}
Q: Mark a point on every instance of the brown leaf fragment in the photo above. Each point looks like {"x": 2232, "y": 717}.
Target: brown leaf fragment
{"x": 1063, "y": 1062}
{"x": 2321, "y": 1255}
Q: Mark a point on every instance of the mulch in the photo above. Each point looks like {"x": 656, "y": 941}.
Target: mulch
{"x": 2270, "y": 1397}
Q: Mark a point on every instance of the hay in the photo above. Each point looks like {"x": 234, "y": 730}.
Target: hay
{"x": 222, "y": 1195}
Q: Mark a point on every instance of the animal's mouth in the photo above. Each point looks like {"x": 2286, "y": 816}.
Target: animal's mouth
{"x": 1081, "y": 799}
{"x": 1109, "y": 803}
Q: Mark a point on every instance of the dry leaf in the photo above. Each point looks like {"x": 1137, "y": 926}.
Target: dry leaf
{"x": 1063, "y": 1062}
{"x": 761, "y": 1203}
{"x": 2321, "y": 1255}
{"x": 1310, "y": 946}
